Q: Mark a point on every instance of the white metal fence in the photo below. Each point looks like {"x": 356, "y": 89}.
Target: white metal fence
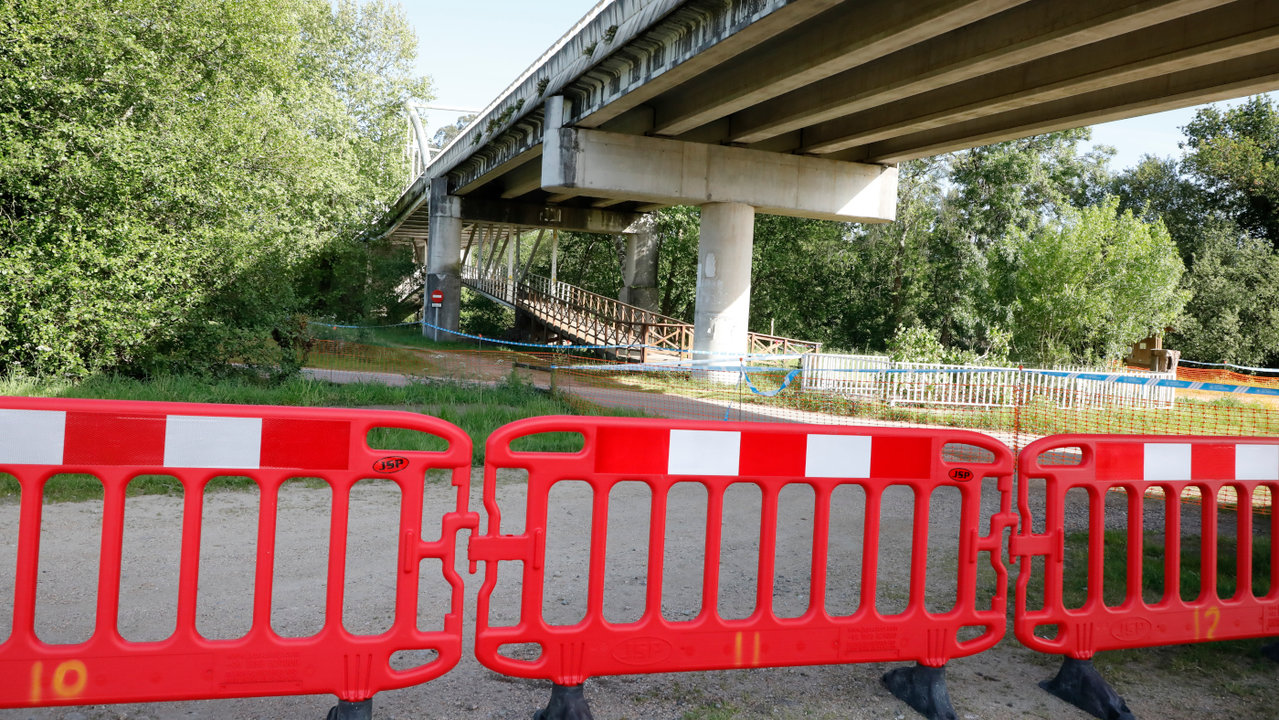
{"x": 902, "y": 383}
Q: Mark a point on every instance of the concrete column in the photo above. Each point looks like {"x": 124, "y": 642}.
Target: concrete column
{"x": 555, "y": 255}
{"x": 723, "y": 286}
{"x": 639, "y": 267}
{"x": 443, "y": 261}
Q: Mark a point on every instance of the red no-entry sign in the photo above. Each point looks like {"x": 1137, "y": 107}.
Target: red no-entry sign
{"x": 437, "y": 298}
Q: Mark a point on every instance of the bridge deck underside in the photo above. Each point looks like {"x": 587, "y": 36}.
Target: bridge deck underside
{"x": 876, "y": 81}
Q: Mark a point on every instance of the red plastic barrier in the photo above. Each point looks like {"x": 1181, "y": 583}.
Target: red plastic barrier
{"x": 1139, "y": 465}
{"x": 662, "y": 453}
{"x": 118, "y": 441}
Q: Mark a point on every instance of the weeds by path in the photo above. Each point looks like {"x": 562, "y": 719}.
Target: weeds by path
{"x": 476, "y": 408}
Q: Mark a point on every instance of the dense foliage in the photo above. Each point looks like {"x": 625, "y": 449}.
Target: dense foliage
{"x": 1220, "y": 202}
{"x": 181, "y": 183}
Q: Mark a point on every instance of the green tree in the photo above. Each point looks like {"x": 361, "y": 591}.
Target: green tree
{"x": 800, "y": 280}
{"x": 445, "y": 135}
{"x": 1156, "y": 190}
{"x": 168, "y": 170}
{"x": 678, "y": 232}
{"x": 1233, "y": 313}
{"x": 1022, "y": 183}
{"x": 1219, "y": 204}
{"x": 1091, "y": 283}
{"x": 1234, "y": 158}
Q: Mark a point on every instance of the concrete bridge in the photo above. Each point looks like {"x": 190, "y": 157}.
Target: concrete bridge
{"x": 802, "y": 108}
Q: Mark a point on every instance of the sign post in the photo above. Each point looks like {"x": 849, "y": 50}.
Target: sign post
{"x": 437, "y": 300}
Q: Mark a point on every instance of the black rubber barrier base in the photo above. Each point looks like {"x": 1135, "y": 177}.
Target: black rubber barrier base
{"x": 567, "y": 703}
{"x": 1079, "y": 684}
{"x": 1271, "y": 651}
{"x": 923, "y": 688}
{"x": 345, "y": 710}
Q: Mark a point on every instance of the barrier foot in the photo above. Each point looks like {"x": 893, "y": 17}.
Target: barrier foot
{"x": 1079, "y": 684}
{"x": 347, "y": 710}
{"x": 1271, "y": 651}
{"x": 568, "y": 702}
{"x": 922, "y": 688}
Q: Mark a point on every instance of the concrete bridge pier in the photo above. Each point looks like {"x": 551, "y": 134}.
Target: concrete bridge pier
{"x": 639, "y": 266}
{"x": 722, "y": 310}
{"x": 443, "y": 262}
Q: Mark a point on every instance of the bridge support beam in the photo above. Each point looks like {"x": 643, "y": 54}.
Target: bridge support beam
{"x": 610, "y": 165}
{"x": 443, "y": 262}
{"x": 639, "y": 266}
{"x": 722, "y": 310}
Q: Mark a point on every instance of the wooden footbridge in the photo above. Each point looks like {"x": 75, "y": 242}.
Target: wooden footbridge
{"x": 567, "y": 313}
{"x": 494, "y": 266}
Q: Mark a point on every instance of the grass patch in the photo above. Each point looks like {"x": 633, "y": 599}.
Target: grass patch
{"x": 355, "y": 357}
{"x": 712, "y": 712}
{"x": 1075, "y": 575}
{"x": 399, "y": 337}
{"x": 477, "y": 409}
{"x": 1223, "y": 658}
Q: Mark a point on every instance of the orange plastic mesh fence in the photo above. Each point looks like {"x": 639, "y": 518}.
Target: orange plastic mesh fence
{"x": 1230, "y": 377}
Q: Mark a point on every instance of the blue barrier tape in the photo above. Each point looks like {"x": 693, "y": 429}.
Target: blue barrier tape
{"x": 513, "y": 343}
{"x": 662, "y": 367}
{"x": 921, "y": 371}
{"x": 1094, "y": 377}
{"x": 1155, "y": 382}
{"x": 785, "y": 383}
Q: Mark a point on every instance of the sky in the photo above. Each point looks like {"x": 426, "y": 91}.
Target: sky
{"x": 470, "y": 69}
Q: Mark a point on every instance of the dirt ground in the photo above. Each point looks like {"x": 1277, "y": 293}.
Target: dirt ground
{"x": 997, "y": 684}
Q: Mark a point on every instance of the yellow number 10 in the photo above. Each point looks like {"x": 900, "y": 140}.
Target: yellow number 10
{"x": 69, "y": 679}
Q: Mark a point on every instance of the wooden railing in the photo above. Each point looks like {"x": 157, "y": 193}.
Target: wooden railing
{"x": 774, "y": 345}
{"x": 600, "y": 320}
